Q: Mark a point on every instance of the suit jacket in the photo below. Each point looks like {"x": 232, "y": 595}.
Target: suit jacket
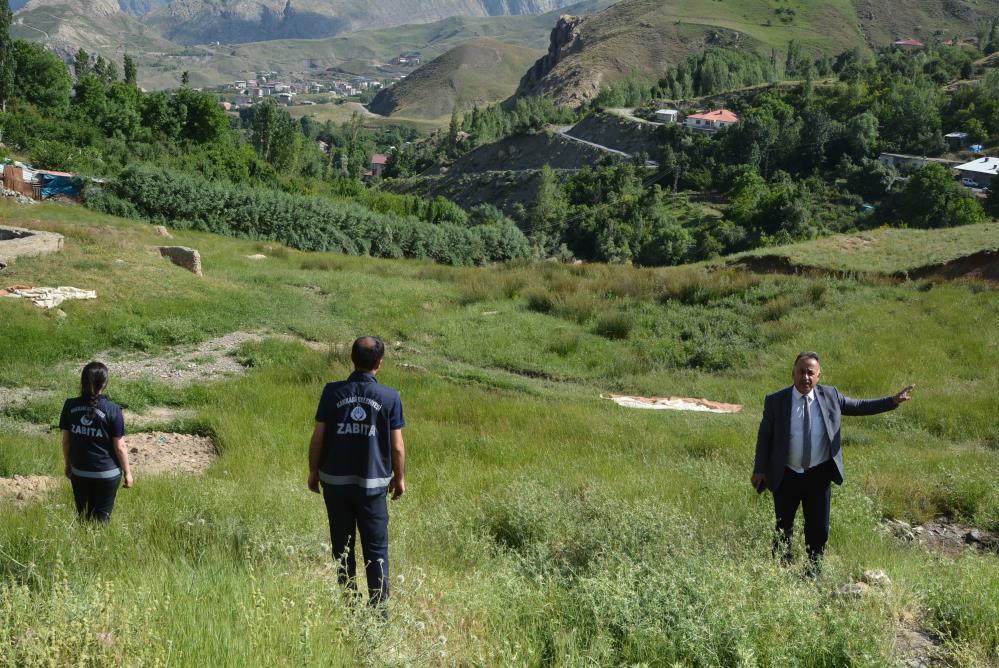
{"x": 773, "y": 441}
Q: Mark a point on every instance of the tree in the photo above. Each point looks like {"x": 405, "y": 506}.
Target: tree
{"x": 105, "y": 71}
{"x": 862, "y": 135}
{"x": 185, "y": 78}
{"x": 41, "y": 77}
{"x": 204, "y": 120}
{"x": 7, "y": 55}
{"x": 871, "y": 179}
{"x": 131, "y": 74}
{"x": 274, "y": 134}
{"x": 81, "y": 64}
{"x": 992, "y": 203}
{"x": 933, "y": 198}
{"x": 546, "y": 216}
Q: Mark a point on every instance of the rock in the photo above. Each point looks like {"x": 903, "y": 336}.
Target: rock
{"x": 877, "y": 578}
{"x": 19, "y": 242}
{"x": 983, "y": 539}
{"x": 855, "y": 589}
{"x": 163, "y": 232}
{"x": 18, "y": 197}
{"x": 182, "y": 256}
{"x": 257, "y": 256}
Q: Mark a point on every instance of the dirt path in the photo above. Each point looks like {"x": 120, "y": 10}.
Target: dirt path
{"x": 205, "y": 362}
{"x": 629, "y": 115}
{"x": 564, "y": 132}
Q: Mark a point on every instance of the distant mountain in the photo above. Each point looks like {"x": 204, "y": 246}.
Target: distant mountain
{"x": 235, "y": 21}
{"x": 477, "y": 73}
{"x": 648, "y": 36}
{"x": 100, "y": 26}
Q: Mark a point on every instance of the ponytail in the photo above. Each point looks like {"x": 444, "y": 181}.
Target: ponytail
{"x": 93, "y": 380}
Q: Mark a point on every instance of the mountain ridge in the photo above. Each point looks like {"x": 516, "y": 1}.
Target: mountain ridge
{"x": 476, "y": 73}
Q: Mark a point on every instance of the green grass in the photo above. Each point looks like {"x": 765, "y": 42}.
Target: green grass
{"x": 887, "y": 250}
{"x": 543, "y": 525}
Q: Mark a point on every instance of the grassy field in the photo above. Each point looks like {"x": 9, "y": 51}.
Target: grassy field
{"x": 543, "y": 525}
{"x": 887, "y": 250}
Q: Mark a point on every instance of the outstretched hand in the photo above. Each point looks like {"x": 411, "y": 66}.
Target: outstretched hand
{"x": 904, "y": 394}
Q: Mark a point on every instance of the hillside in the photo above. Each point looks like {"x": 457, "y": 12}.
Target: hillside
{"x": 649, "y": 547}
{"x": 68, "y": 25}
{"x": 201, "y": 21}
{"x": 100, "y": 27}
{"x": 477, "y": 73}
{"x": 648, "y": 36}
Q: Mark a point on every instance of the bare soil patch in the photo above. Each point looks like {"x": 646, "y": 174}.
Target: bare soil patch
{"x": 983, "y": 265}
{"x": 942, "y": 535}
{"x": 765, "y": 264}
{"x": 149, "y": 453}
{"x": 156, "y": 452}
{"x": 21, "y": 489}
{"x": 916, "y": 648}
{"x": 208, "y": 361}
{"x": 672, "y": 403}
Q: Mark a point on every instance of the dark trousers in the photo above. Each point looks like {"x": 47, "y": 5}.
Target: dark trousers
{"x": 351, "y": 511}
{"x": 95, "y": 496}
{"x": 812, "y": 491}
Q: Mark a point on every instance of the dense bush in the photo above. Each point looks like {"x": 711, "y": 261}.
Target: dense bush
{"x": 309, "y": 223}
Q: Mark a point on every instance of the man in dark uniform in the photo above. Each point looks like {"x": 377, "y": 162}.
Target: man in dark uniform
{"x": 358, "y": 456}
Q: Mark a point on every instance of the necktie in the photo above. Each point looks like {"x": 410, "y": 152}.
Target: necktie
{"x": 806, "y": 436}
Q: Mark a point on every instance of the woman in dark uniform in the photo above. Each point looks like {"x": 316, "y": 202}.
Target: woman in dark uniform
{"x": 93, "y": 445}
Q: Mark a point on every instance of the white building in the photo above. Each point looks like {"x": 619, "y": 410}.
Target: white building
{"x": 982, "y": 171}
{"x": 667, "y": 115}
{"x": 712, "y": 121}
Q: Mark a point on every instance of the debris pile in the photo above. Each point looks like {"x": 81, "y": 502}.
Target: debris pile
{"x": 672, "y": 403}
{"x": 47, "y": 297}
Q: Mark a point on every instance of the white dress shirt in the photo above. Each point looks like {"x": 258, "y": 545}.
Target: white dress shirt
{"x": 818, "y": 441}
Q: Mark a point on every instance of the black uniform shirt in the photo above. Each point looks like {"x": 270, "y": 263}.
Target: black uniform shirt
{"x": 90, "y": 433}
{"x": 359, "y": 414}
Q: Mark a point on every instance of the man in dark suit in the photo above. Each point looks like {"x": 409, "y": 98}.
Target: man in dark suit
{"x": 798, "y": 451}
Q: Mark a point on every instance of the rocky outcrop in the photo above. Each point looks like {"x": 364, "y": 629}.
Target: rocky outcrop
{"x": 565, "y": 39}
{"x": 18, "y": 242}
{"x": 182, "y": 256}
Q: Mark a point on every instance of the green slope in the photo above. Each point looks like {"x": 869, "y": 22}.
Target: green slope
{"x": 477, "y": 73}
{"x": 650, "y": 35}
{"x": 542, "y": 524}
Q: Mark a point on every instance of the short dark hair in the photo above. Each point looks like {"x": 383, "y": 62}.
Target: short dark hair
{"x": 807, "y": 355}
{"x": 366, "y": 352}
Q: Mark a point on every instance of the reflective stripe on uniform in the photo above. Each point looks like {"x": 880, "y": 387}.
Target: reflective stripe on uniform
{"x": 366, "y": 483}
{"x": 111, "y": 473}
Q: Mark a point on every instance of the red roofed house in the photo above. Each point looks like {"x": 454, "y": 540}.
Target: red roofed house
{"x": 911, "y": 44}
{"x": 711, "y": 121}
{"x": 378, "y": 162}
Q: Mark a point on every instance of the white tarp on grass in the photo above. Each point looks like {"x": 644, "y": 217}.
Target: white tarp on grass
{"x": 48, "y": 297}
{"x": 672, "y": 403}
